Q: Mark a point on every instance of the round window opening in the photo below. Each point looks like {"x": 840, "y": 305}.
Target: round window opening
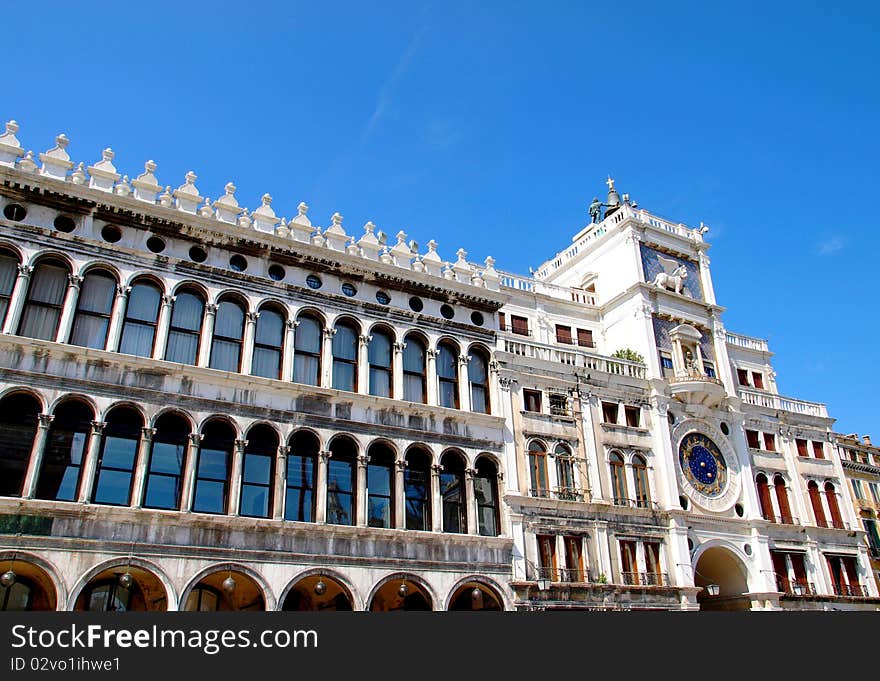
{"x": 14, "y": 212}
{"x": 748, "y": 549}
{"x": 447, "y": 312}
{"x": 64, "y": 223}
{"x": 313, "y": 281}
{"x": 477, "y": 318}
{"x": 683, "y": 502}
{"x": 416, "y": 304}
{"x": 671, "y": 418}
{"x": 349, "y": 289}
{"x": 740, "y": 511}
{"x": 724, "y": 428}
{"x": 382, "y": 298}
{"x": 703, "y": 464}
{"x": 198, "y": 254}
{"x": 238, "y": 263}
{"x": 690, "y": 544}
{"x": 111, "y": 234}
{"x": 155, "y": 244}
{"x": 276, "y": 272}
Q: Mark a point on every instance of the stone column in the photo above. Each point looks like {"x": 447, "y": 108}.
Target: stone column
{"x": 399, "y": 521}
{"x": 235, "y": 477}
{"x": 204, "y": 354}
{"x": 363, "y": 365}
{"x": 436, "y": 500}
{"x": 68, "y": 311}
{"x": 326, "y": 378}
{"x": 36, "y": 459}
{"x": 141, "y": 465}
{"x": 162, "y": 326}
{"x": 280, "y": 482}
{"x": 287, "y": 350}
{"x": 361, "y": 495}
{"x": 116, "y": 317}
{"x": 91, "y": 462}
{"x": 321, "y": 485}
{"x": 16, "y": 300}
{"x": 397, "y": 371}
{"x": 431, "y": 376}
{"x": 470, "y": 500}
{"x": 247, "y": 346}
{"x": 464, "y": 383}
{"x": 189, "y": 472}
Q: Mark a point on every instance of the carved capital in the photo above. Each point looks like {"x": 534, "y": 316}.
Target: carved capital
{"x": 168, "y": 300}
{"x": 45, "y": 420}
{"x": 464, "y": 359}
{"x": 494, "y": 366}
{"x": 363, "y": 460}
{"x": 283, "y": 451}
{"x": 292, "y": 324}
{"x": 364, "y": 339}
{"x": 122, "y": 291}
{"x": 252, "y": 317}
{"x": 401, "y": 464}
{"x": 75, "y": 280}
{"x": 98, "y": 427}
{"x": 432, "y": 353}
{"x": 240, "y": 445}
{"x": 25, "y": 271}
{"x": 195, "y": 439}
{"x": 325, "y": 456}
{"x": 506, "y": 382}
{"x": 436, "y": 468}
{"x": 147, "y": 433}
{"x": 329, "y": 333}
{"x": 399, "y": 347}
{"x": 470, "y": 473}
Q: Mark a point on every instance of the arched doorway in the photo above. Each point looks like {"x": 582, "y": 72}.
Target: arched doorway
{"x": 400, "y": 593}
{"x": 719, "y": 567}
{"x": 25, "y": 586}
{"x": 123, "y": 588}
{"x": 320, "y": 593}
{"x": 475, "y": 596}
{"x": 225, "y": 589}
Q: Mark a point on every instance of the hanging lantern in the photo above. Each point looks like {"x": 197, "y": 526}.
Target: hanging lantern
{"x": 126, "y": 579}
{"x": 403, "y": 590}
{"x": 477, "y": 597}
{"x": 228, "y": 584}
{"x": 320, "y": 587}
{"x": 8, "y": 578}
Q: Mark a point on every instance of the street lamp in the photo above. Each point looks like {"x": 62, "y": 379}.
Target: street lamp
{"x": 712, "y": 589}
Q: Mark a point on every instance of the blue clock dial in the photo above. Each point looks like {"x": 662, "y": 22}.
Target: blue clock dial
{"x": 702, "y": 464}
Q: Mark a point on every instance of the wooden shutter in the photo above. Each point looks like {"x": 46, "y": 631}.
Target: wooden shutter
{"x": 502, "y": 323}
{"x": 563, "y": 334}
{"x": 519, "y": 325}
{"x": 585, "y": 338}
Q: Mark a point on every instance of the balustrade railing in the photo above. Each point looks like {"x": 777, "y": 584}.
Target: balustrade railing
{"x": 795, "y": 588}
{"x": 574, "y": 358}
{"x": 747, "y": 342}
{"x": 853, "y": 590}
{"x": 635, "y": 503}
{"x": 771, "y": 401}
{"x": 561, "y": 493}
{"x": 645, "y": 578}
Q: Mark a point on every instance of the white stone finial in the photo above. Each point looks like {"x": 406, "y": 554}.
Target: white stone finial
{"x": 226, "y": 208}
{"x": 301, "y": 226}
{"x": 56, "y": 161}
{"x": 123, "y": 188}
{"x": 283, "y": 230}
{"x": 103, "y": 174}
{"x": 352, "y": 248}
{"x": 317, "y": 238}
{"x": 368, "y": 243}
{"x": 78, "y": 176}
{"x": 462, "y": 267}
{"x": 146, "y": 186}
{"x": 10, "y": 148}
{"x": 491, "y": 278}
{"x": 448, "y": 271}
{"x": 302, "y": 208}
{"x": 417, "y": 264}
{"x": 167, "y": 199}
{"x": 432, "y": 261}
{"x": 401, "y": 253}
{"x": 205, "y": 211}
{"x": 264, "y": 217}
{"x": 244, "y": 220}
{"x": 187, "y": 194}
{"x": 28, "y": 164}
{"x": 335, "y": 234}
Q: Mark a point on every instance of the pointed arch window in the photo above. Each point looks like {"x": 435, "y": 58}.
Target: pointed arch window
{"x": 833, "y": 508}
{"x": 268, "y": 341}
{"x": 538, "y": 469}
{"x": 414, "y": 383}
{"x": 640, "y": 475}
{"x": 565, "y": 473}
{"x": 764, "y": 498}
{"x": 94, "y": 305}
{"x": 60, "y": 471}
{"x": 782, "y": 499}
{"x": 167, "y": 456}
{"x": 186, "y": 326}
{"x": 227, "y": 339}
{"x": 345, "y": 355}
{"x": 140, "y": 320}
{"x": 380, "y": 359}
{"x": 307, "y": 351}
{"x": 117, "y": 457}
{"x": 816, "y": 503}
{"x": 45, "y": 300}
{"x": 447, "y": 375}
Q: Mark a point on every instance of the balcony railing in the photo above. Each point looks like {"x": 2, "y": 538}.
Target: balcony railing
{"x": 771, "y": 401}
{"x": 747, "y": 342}
{"x": 645, "y": 578}
{"x": 573, "y": 357}
{"x": 851, "y": 590}
{"x": 635, "y": 503}
{"x": 832, "y": 524}
{"x": 795, "y": 588}
{"x": 564, "y": 575}
{"x": 561, "y": 493}
{"x": 783, "y": 520}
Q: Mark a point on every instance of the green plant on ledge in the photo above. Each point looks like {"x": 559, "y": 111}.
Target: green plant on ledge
{"x": 602, "y": 579}
{"x": 629, "y": 354}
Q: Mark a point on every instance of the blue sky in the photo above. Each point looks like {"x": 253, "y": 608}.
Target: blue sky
{"x": 492, "y": 126}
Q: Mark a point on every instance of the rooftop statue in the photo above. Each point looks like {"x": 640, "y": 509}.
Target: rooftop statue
{"x": 596, "y": 210}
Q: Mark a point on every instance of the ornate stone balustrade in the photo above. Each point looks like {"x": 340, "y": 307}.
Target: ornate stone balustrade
{"x": 573, "y": 358}
{"x": 771, "y": 401}
{"x": 747, "y": 342}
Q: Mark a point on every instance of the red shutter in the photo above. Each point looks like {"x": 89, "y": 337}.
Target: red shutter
{"x": 818, "y": 450}
{"x": 758, "y": 380}
{"x": 743, "y": 376}
{"x": 585, "y": 338}
{"x": 519, "y": 325}
{"x": 502, "y": 323}
{"x": 563, "y": 334}
{"x": 781, "y": 571}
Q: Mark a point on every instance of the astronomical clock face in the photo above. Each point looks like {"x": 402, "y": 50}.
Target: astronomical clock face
{"x": 702, "y": 464}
